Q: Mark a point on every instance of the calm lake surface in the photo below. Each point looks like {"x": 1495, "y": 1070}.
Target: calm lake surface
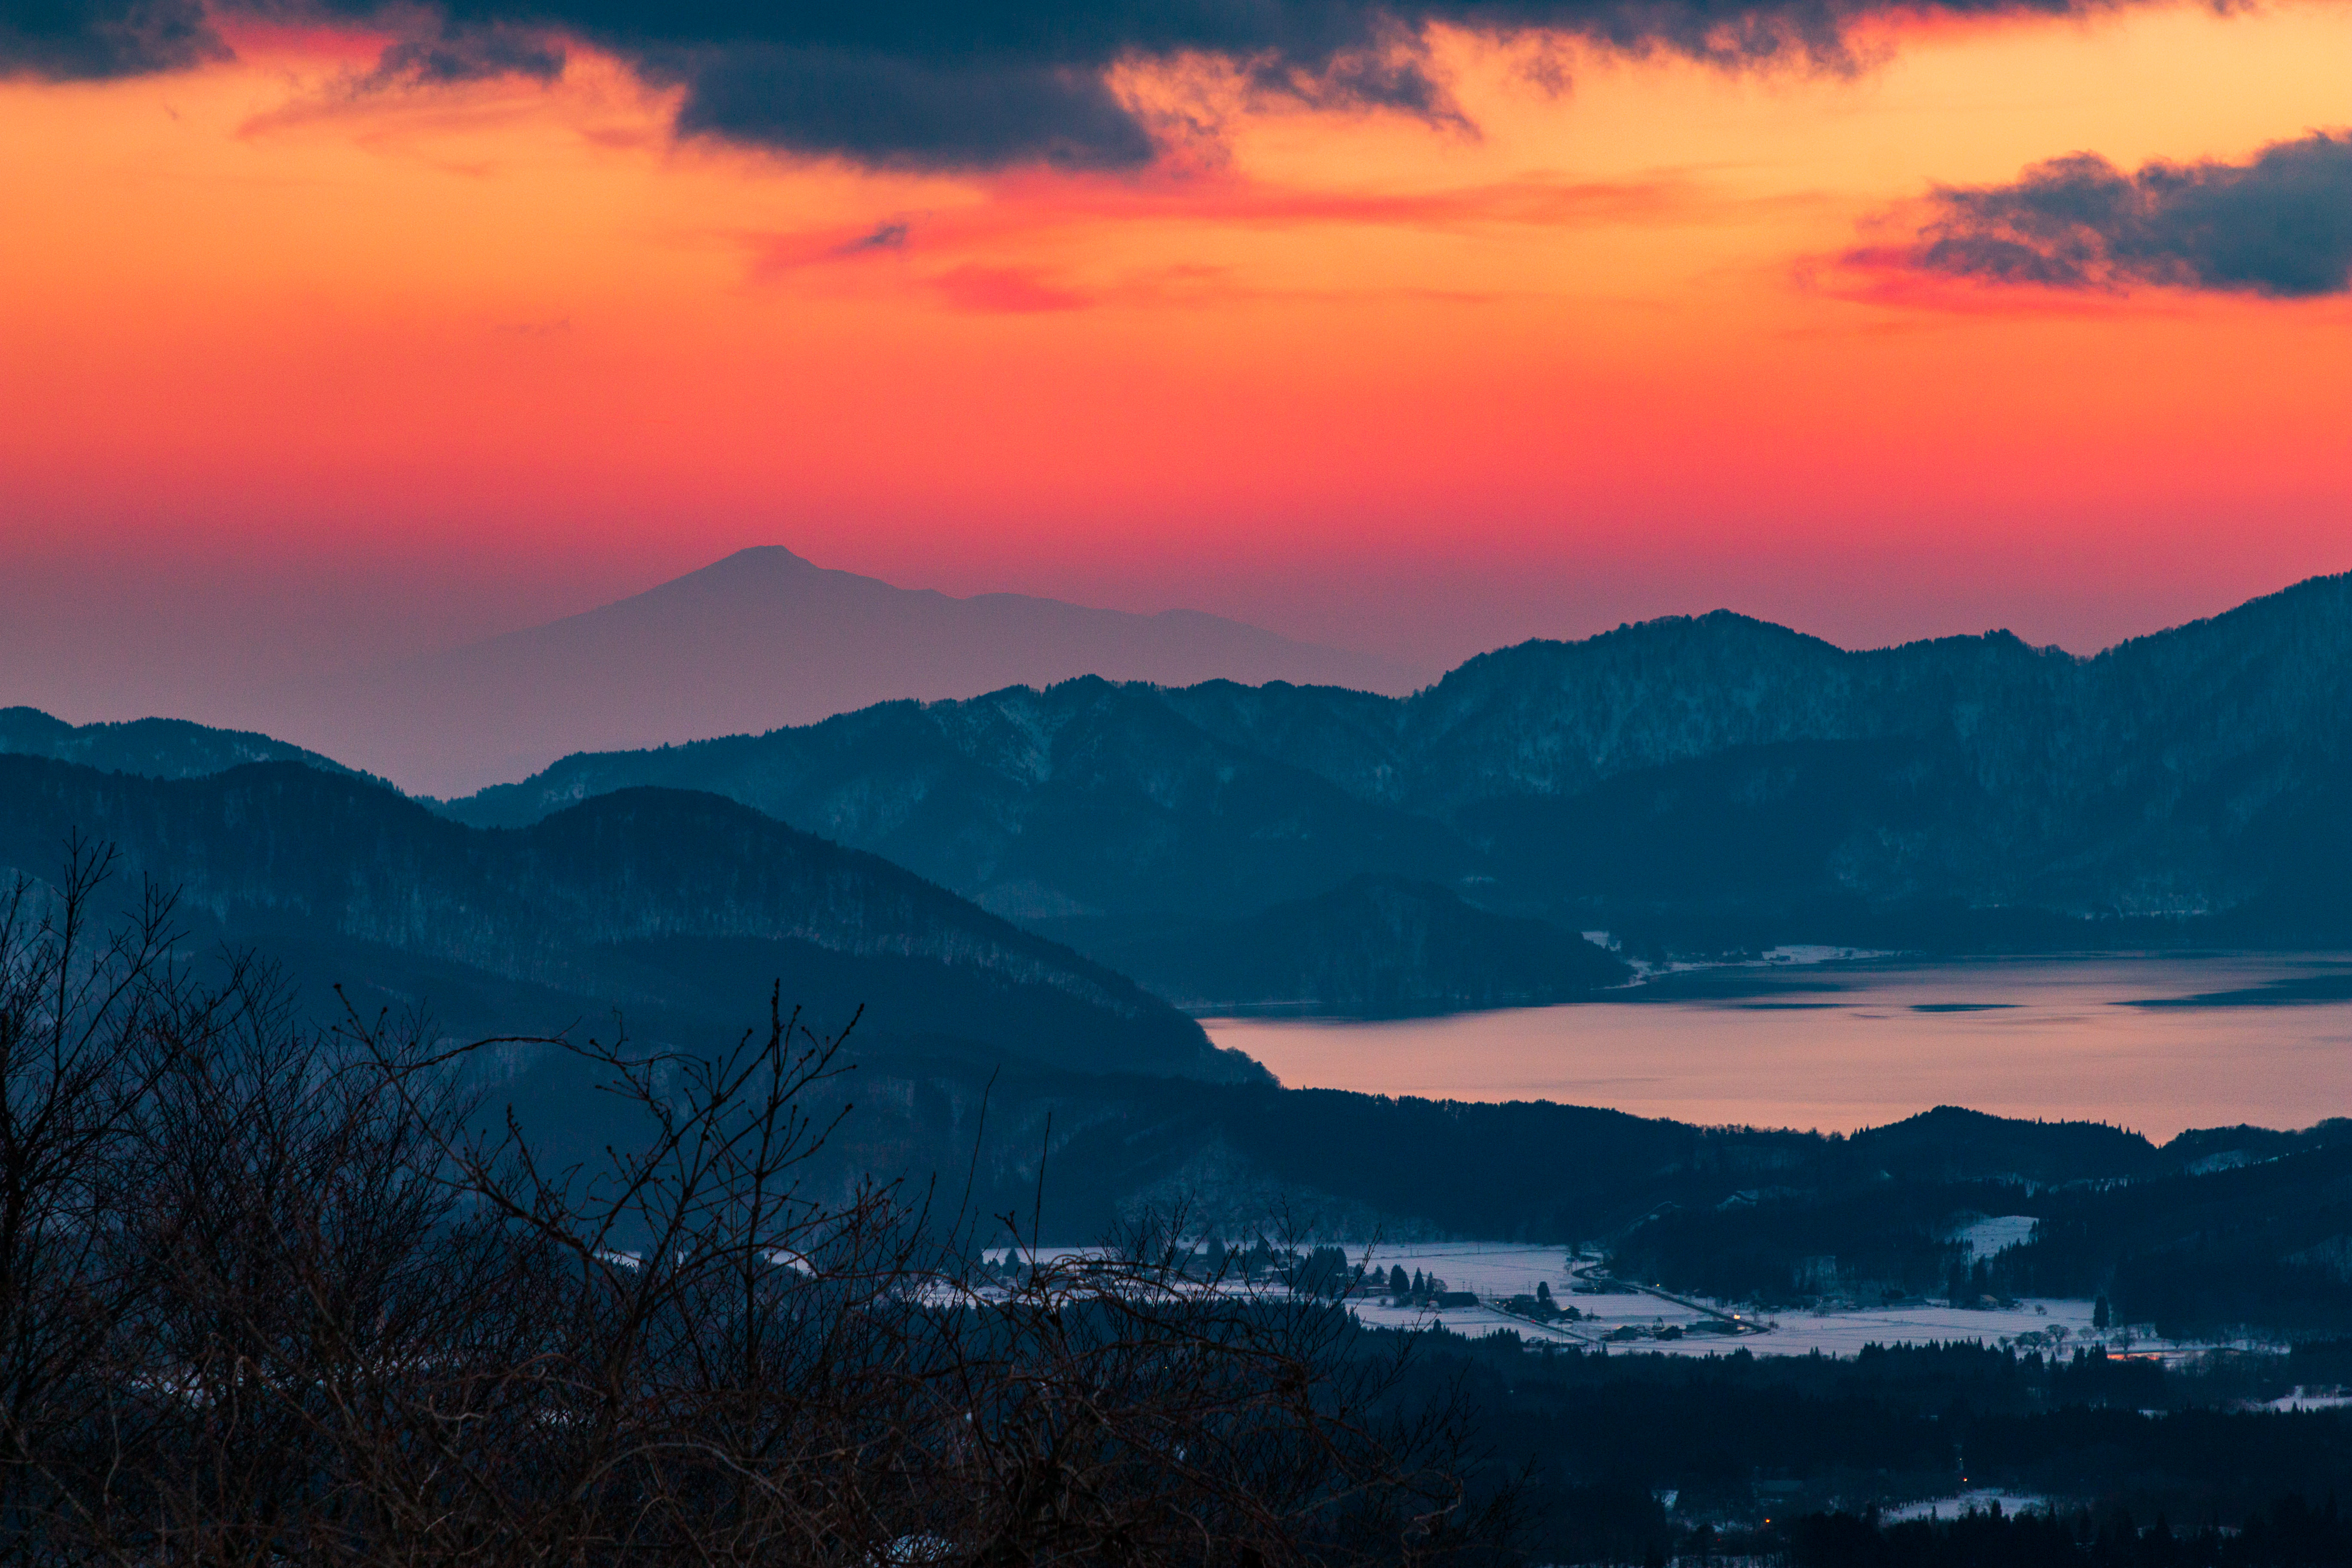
{"x": 2155, "y": 1044}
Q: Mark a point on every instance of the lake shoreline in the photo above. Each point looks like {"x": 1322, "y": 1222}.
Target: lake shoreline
{"x": 2158, "y": 1043}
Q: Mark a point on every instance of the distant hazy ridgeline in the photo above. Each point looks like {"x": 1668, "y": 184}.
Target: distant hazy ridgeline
{"x": 758, "y": 639}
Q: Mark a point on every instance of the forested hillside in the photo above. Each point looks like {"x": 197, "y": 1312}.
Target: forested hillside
{"x": 680, "y": 909}
{"x": 1714, "y": 781}
{"x": 1373, "y": 946}
{"x": 150, "y": 748}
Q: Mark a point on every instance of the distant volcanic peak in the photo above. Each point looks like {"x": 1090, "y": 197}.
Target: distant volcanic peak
{"x": 757, "y": 561}
{"x": 747, "y": 575}
{"x": 770, "y": 556}
{"x": 760, "y": 640}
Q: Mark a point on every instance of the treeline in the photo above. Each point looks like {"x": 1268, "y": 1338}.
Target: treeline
{"x": 1737, "y": 1213}
{"x": 1877, "y": 1239}
{"x": 2262, "y": 1246}
{"x": 273, "y": 1294}
{"x": 1627, "y": 1459}
{"x": 1373, "y": 946}
{"x": 2290, "y": 1534}
{"x": 1371, "y": 1165}
{"x": 2258, "y": 1247}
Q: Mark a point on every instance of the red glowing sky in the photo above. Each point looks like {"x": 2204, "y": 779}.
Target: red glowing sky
{"x": 299, "y": 375}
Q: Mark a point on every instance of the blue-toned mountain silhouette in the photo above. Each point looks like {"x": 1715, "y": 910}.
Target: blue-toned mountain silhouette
{"x": 676, "y": 911}
{"x": 1712, "y": 781}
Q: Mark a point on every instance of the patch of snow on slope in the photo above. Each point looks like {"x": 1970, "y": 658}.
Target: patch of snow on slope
{"x": 1984, "y": 1238}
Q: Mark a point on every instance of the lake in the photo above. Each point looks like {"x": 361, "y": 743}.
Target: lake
{"x": 2155, "y": 1044}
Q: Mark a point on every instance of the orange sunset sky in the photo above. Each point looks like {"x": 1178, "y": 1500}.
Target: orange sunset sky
{"x": 305, "y": 364}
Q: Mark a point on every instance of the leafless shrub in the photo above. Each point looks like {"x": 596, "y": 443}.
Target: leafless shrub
{"x": 87, "y": 1009}
{"x": 274, "y": 1294}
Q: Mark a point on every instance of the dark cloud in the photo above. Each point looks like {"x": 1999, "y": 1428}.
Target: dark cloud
{"x": 940, "y": 83}
{"x": 880, "y": 109}
{"x": 2280, "y": 225}
{"x": 78, "y": 40}
{"x": 969, "y": 83}
{"x": 471, "y": 54}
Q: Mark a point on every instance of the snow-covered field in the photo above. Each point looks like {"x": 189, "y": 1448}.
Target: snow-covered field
{"x": 1496, "y": 1272}
{"x": 1491, "y": 1268}
{"x": 1843, "y": 1332}
{"x": 1499, "y": 1270}
{"x": 1987, "y": 1499}
{"x": 1627, "y": 1320}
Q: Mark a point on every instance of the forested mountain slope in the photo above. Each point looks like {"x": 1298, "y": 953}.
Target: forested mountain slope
{"x": 1082, "y": 798}
{"x": 1715, "y": 772}
{"x": 1374, "y": 946}
{"x": 679, "y": 908}
{"x": 152, "y": 748}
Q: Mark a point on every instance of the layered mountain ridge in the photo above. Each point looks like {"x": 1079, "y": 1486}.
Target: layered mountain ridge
{"x": 997, "y": 1065}
{"x": 1691, "y": 784}
{"x": 1715, "y": 768}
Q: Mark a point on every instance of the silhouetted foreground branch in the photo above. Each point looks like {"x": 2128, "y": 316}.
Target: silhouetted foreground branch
{"x": 275, "y": 1294}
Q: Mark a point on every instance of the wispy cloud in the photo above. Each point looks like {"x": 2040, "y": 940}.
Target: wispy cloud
{"x": 1024, "y": 207}
{"x": 1006, "y": 290}
{"x": 980, "y": 255}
